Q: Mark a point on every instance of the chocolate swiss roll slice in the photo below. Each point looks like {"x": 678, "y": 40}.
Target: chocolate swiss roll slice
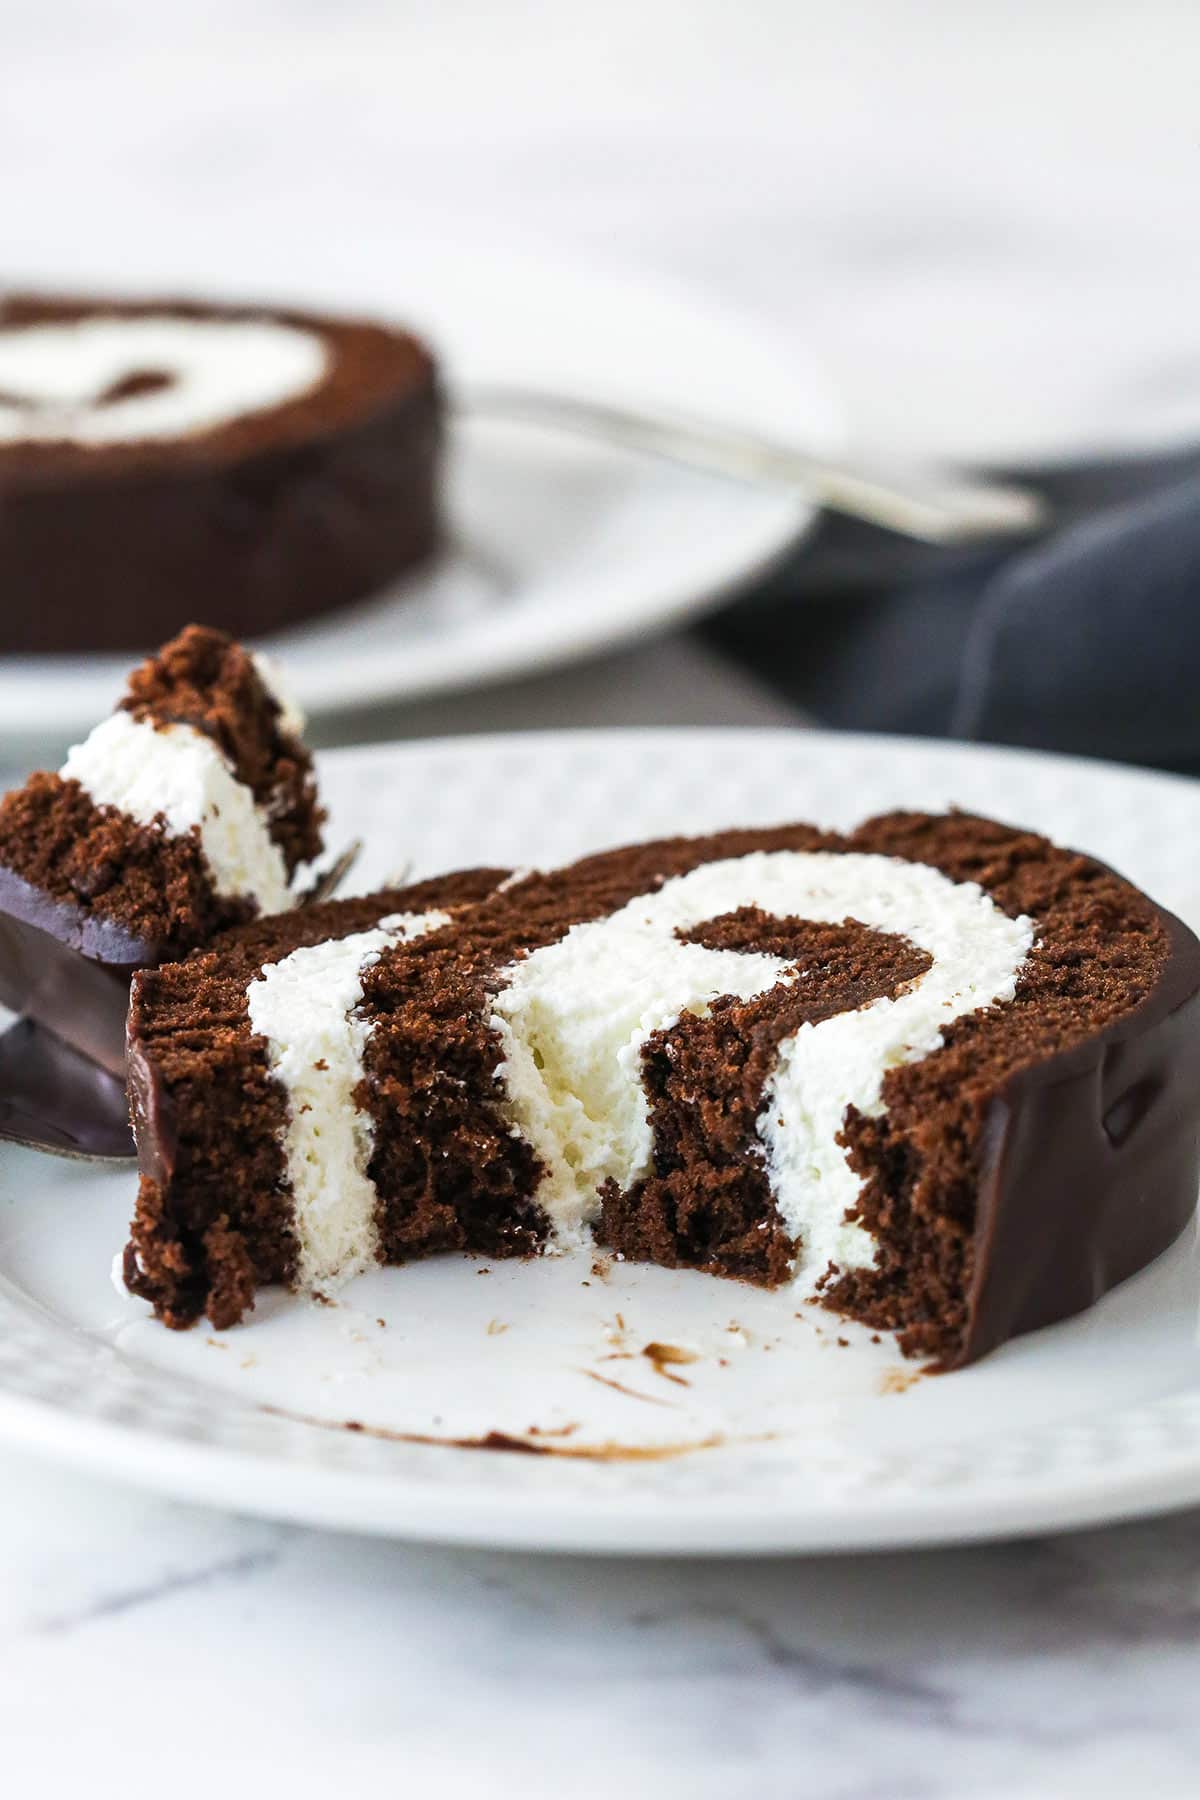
{"x": 168, "y": 460}
{"x": 936, "y": 1072}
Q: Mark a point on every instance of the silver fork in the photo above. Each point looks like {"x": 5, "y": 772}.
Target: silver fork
{"x": 934, "y": 506}
{"x": 53, "y": 1098}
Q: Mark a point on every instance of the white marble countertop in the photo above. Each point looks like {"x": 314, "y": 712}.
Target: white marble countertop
{"x": 984, "y": 217}
{"x": 194, "y": 1641}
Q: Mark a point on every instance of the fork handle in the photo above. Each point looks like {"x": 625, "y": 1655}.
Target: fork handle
{"x": 930, "y": 505}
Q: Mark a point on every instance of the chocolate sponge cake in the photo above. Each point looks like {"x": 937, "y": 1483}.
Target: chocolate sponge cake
{"x": 253, "y": 1151}
{"x": 191, "y": 808}
{"x": 166, "y": 460}
{"x": 935, "y": 1071}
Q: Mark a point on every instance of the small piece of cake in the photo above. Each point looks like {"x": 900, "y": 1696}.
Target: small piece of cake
{"x": 936, "y": 1071}
{"x": 191, "y": 808}
{"x": 167, "y": 460}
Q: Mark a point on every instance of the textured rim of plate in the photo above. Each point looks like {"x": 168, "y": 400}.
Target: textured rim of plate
{"x": 545, "y": 638}
{"x": 72, "y": 1397}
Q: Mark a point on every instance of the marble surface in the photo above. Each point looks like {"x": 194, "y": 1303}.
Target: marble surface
{"x": 984, "y": 217}
{"x": 1048, "y": 1668}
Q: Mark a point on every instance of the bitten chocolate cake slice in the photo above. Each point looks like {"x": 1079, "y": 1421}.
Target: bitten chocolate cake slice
{"x": 192, "y": 807}
{"x": 245, "y": 1068}
{"x": 937, "y": 1071}
{"x": 163, "y": 460}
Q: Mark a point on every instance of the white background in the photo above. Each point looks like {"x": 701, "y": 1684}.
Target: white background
{"x": 985, "y": 213}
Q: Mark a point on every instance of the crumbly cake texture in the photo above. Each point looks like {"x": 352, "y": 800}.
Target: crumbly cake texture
{"x": 68, "y": 863}
{"x": 214, "y": 1215}
{"x": 255, "y": 519}
{"x": 974, "y": 1231}
{"x": 206, "y": 680}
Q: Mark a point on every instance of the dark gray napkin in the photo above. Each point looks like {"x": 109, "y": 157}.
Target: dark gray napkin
{"x": 1088, "y": 641}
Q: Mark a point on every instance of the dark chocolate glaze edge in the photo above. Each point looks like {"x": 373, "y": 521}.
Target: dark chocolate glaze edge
{"x": 91, "y": 934}
{"x": 151, "y": 1112}
{"x": 1090, "y": 1163}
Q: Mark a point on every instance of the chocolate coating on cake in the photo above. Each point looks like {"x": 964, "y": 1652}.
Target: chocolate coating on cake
{"x": 254, "y": 524}
{"x": 1089, "y": 1163}
{"x": 997, "y": 1195}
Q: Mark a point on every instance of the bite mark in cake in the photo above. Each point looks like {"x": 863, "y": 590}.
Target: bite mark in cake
{"x": 575, "y": 1017}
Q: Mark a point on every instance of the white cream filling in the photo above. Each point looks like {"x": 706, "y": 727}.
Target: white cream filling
{"x": 305, "y": 1007}
{"x": 178, "y": 773}
{"x": 573, "y": 1018}
{"x": 291, "y": 719}
{"x": 53, "y": 375}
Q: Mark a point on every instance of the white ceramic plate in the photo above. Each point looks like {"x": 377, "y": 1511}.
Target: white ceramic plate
{"x": 777, "y": 1436}
{"x": 558, "y": 547}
